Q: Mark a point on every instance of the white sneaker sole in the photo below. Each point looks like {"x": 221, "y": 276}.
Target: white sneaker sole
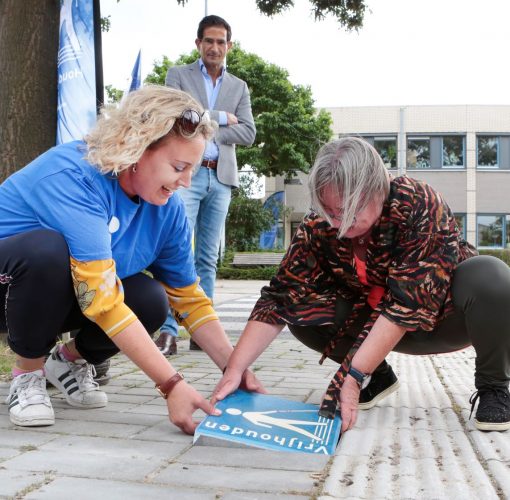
{"x": 381, "y": 395}
{"x": 33, "y": 422}
{"x": 492, "y": 426}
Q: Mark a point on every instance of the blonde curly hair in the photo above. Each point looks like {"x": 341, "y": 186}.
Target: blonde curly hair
{"x": 145, "y": 117}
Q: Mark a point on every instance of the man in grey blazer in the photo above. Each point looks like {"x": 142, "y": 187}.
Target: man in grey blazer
{"x": 207, "y": 200}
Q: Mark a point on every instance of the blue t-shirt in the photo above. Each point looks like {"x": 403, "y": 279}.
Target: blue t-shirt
{"x": 60, "y": 190}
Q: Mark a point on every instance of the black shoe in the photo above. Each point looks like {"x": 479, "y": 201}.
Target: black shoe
{"x": 493, "y": 412}
{"x": 382, "y": 384}
{"x": 193, "y": 346}
{"x": 102, "y": 377}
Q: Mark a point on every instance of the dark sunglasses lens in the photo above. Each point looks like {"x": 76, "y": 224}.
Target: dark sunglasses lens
{"x": 189, "y": 121}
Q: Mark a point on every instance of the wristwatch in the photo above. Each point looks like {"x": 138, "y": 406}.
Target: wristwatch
{"x": 363, "y": 379}
{"x": 166, "y": 387}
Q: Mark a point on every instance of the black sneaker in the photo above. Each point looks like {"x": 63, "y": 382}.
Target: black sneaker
{"x": 493, "y": 412}
{"x": 382, "y": 384}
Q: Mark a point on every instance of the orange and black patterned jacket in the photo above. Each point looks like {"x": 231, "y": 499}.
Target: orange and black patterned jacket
{"x": 414, "y": 249}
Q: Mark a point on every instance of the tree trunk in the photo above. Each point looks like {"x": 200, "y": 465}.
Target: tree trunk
{"x": 28, "y": 80}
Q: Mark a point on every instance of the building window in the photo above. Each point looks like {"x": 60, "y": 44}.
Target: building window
{"x": 507, "y": 231}
{"x": 418, "y": 152}
{"x": 453, "y": 151}
{"x": 490, "y": 230}
{"x": 460, "y": 219}
{"x": 387, "y": 149}
{"x": 488, "y": 151}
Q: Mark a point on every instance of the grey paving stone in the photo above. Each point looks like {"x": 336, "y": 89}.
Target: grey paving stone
{"x": 100, "y": 415}
{"x": 110, "y": 464}
{"x": 255, "y": 458}
{"x": 14, "y": 484}
{"x": 237, "y": 478}
{"x": 84, "y": 489}
{"x": 18, "y": 437}
{"x": 240, "y": 495}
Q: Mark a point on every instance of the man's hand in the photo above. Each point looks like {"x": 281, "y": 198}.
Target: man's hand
{"x": 231, "y": 119}
{"x": 349, "y": 399}
{"x": 182, "y": 402}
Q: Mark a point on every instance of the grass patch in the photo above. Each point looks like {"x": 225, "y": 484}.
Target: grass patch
{"x": 7, "y": 358}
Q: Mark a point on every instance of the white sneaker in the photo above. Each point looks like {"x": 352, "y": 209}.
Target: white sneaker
{"x": 29, "y": 403}
{"x": 75, "y": 379}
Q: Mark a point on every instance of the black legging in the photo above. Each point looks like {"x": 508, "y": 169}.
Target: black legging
{"x": 39, "y": 300}
{"x": 481, "y": 294}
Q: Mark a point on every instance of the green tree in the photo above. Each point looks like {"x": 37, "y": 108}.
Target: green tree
{"x": 28, "y": 65}
{"x": 289, "y": 130}
{"x": 246, "y": 218}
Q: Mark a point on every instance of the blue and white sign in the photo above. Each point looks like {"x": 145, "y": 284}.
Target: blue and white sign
{"x": 76, "y": 111}
{"x": 272, "y": 423}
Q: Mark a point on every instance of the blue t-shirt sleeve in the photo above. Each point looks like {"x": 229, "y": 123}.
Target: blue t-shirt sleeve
{"x": 67, "y": 202}
{"x": 174, "y": 264}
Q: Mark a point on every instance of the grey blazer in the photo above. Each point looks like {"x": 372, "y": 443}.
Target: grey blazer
{"x": 233, "y": 97}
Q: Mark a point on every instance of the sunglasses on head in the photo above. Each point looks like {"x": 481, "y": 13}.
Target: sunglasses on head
{"x": 189, "y": 121}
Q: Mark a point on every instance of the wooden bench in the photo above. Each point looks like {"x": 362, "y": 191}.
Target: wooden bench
{"x": 257, "y": 259}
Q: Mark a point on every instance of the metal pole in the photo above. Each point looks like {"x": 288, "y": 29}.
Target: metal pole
{"x": 98, "y": 52}
{"x": 205, "y": 7}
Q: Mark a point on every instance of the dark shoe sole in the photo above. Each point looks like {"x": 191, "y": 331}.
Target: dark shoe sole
{"x": 381, "y": 395}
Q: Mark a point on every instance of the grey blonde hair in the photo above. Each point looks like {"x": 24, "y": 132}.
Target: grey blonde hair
{"x": 143, "y": 120}
{"x": 355, "y": 171}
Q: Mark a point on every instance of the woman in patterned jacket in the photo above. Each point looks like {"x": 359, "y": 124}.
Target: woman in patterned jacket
{"x": 380, "y": 265}
{"x": 78, "y": 228}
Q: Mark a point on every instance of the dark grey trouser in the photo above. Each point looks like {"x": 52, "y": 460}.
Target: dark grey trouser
{"x": 39, "y": 303}
{"x": 481, "y": 294}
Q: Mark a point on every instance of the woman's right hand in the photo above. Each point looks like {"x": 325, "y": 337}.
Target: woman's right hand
{"x": 182, "y": 402}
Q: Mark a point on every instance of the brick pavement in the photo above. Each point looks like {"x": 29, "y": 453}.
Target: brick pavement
{"x": 418, "y": 443}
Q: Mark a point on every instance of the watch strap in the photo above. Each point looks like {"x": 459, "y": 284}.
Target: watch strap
{"x": 360, "y": 377}
{"x": 167, "y": 387}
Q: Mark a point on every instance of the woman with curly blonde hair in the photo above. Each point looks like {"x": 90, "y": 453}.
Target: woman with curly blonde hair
{"x": 78, "y": 226}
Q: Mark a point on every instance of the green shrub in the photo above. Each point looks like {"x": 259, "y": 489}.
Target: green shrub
{"x": 226, "y": 272}
{"x": 503, "y": 254}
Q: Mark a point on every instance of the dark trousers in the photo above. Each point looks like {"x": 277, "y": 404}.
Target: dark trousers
{"x": 39, "y": 302}
{"x": 481, "y": 295}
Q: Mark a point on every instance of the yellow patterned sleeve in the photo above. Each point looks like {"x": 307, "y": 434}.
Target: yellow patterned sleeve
{"x": 100, "y": 295}
{"x": 191, "y": 306}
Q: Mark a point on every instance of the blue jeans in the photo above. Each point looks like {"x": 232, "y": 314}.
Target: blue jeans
{"x": 206, "y": 201}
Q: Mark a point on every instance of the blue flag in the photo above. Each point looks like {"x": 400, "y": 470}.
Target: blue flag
{"x": 76, "y": 111}
{"x": 136, "y": 74}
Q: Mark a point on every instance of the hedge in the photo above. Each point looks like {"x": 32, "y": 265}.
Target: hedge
{"x": 227, "y": 272}
{"x": 503, "y": 254}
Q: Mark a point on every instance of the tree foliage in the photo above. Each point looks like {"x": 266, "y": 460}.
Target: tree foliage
{"x": 29, "y": 41}
{"x": 349, "y": 13}
{"x": 289, "y": 130}
{"x": 246, "y": 218}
